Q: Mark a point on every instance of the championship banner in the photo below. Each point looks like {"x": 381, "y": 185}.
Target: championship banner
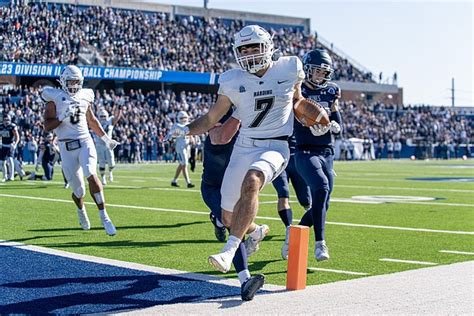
{"x": 109, "y": 73}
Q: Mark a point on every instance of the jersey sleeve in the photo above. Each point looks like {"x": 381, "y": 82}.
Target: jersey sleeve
{"x": 49, "y": 94}
{"x": 88, "y": 95}
{"x": 300, "y": 75}
{"x": 224, "y": 83}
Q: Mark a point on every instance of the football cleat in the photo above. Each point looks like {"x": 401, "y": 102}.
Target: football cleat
{"x": 222, "y": 261}
{"x": 190, "y": 185}
{"x": 108, "y": 225}
{"x": 103, "y": 180}
{"x": 251, "y": 286}
{"x": 321, "y": 251}
{"x": 84, "y": 219}
{"x": 220, "y": 232}
{"x": 174, "y": 184}
{"x": 66, "y": 185}
{"x": 252, "y": 242}
{"x": 284, "y": 248}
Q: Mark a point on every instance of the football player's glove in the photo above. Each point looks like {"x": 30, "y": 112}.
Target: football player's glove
{"x": 319, "y": 130}
{"x": 109, "y": 142}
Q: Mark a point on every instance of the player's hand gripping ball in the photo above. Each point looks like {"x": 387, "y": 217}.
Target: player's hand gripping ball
{"x": 309, "y": 113}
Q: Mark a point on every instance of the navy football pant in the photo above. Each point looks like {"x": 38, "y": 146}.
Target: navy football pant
{"x": 281, "y": 184}
{"x": 316, "y": 168}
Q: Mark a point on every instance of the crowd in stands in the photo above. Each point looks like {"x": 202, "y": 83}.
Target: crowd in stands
{"x": 55, "y": 33}
{"x": 148, "y": 116}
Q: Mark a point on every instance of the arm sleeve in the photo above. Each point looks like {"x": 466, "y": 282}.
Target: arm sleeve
{"x": 300, "y": 75}
{"x": 48, "y": 94}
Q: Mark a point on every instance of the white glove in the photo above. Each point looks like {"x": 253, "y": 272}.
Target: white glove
{"x": 70, "y": 110}
{"x": 335, "y": 127}
{"x": 319, "y": 130}
{"x": 109, "y": 142}
{"x": 177, "y": 130}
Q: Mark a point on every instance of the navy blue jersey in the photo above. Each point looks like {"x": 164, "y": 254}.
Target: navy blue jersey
{"x": 6, "y": 132}
{"x": 216, "y": 158}
{"x": 325, "y": 97}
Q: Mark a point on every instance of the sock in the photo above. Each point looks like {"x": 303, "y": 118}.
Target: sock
{"x": 232, "y": 244}
{"x": 319, "y": 213}
{"x": 243, "y": 276}
{"x": 174, "y": 180}
{"x": 286, "y": 216}
{"x": 240, "y": 261}
{"x": 307, "y": 219}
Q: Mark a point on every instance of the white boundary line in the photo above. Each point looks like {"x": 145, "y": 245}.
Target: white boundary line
{"x": 426, "y": 263}
{"x": 456, "y": 232}
{"x": 458, "y": 252}
{"x": 338, "y": 271}
{"x": 134, "y": 266}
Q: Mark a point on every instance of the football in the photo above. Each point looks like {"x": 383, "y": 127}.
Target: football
{"x": 308, "y": 113}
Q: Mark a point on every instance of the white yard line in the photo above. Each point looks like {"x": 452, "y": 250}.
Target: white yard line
{"x": 458, "y": 252}
{"x": 336, "y": 200}
{"x": 337, "y": 271}
{"x": 426, "y": 263}
{"x": 206, "y": 213}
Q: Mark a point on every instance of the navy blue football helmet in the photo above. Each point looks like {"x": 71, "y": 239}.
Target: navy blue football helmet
{"x": 317, "y": 65}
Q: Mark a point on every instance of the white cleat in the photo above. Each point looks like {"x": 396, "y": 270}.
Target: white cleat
{"x": 222, "y": 261}
{"x": 103, "y": 180}
{"x": 84, "y": 219}
{"x": 111, "y": 177}
{"x": 321, "y": 251}
{"x": 286, "y": 245}
{"x": 66, "y": 185}
{"x": 252, "y": 243}
{"x": 108, "y": 225}
{"x": 3, "y": 180}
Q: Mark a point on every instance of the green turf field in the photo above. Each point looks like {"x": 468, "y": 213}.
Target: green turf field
{"x": 154, "y": 228}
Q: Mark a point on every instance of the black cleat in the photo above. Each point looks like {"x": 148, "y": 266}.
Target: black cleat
{"x": 220, "y": 232}
{"x": 190, "y": 185}
{"x": 251, "y": 286}
{"x": 174, "y": 184}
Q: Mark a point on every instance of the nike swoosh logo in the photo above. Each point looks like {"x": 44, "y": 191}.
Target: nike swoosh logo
{"x": 280, "y": 82}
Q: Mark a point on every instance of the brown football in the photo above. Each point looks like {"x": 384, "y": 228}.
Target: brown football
{"x": 308, "y": 113}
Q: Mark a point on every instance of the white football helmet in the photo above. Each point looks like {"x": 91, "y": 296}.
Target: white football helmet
{"x": 182, "y": 117}
{"x": 103, "y": 115}
{"x": 71, "y": 79}
{"x": 253, "y": 34}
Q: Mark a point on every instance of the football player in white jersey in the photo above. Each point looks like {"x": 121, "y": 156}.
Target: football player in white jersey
{"x": 263, "y": 92}
{"x": 182, "y": 151}
{"x": 69, "y": 113}
{"x": 105, "y": 154}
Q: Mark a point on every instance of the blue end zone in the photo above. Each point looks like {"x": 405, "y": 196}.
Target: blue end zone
{"x": 37, "y": 283}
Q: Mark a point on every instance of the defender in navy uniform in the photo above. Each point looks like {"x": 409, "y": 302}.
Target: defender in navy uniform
{"x": 282, "y": 186}
{"x": 314, "y": 150}
{"x": 218, "y": 148}
{"x": 10, "y": 139}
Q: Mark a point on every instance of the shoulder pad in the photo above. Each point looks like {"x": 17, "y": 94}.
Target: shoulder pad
{"x": 333, "y": 89}
{"x": 49, "y": 94}
{"x": 88, "y": 95}
{"x": 228, "y": 75}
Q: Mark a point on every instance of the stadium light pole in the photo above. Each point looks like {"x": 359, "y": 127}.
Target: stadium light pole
{"x": 205, "y": 4}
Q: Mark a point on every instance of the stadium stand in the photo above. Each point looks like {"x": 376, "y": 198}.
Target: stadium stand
{"x": 424, "y": 131}
{"x": 57, "y": 34}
